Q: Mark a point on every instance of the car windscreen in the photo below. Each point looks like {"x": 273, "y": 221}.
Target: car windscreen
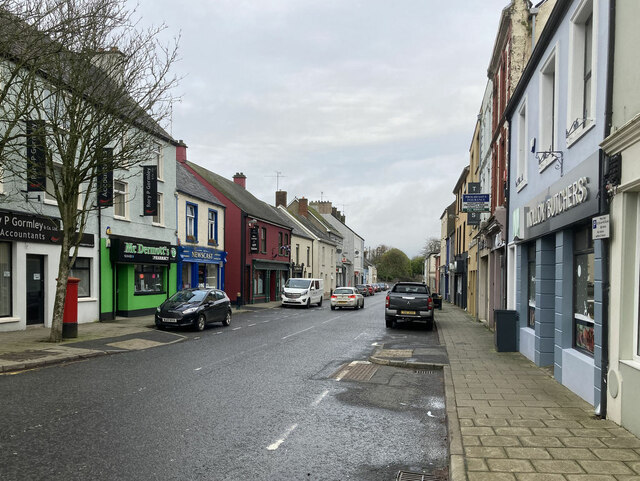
{"x": 298, "y": 283}
{"x": 188, "y": 296}
{"x": 343, "y": 291}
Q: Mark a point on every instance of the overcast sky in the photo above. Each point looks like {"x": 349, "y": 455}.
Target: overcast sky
{"x": 368, "y": 104}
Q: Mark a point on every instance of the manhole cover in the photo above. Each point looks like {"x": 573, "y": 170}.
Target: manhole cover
{"x": 355, "y": 371}
{"x": 27, "y": 355}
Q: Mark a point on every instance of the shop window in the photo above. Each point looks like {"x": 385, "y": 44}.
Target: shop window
{"x": 120, "y": 189}
{"x": 81, "y": 269}
{"x": 149, "y": 279}
{"x": 263, "y": 240}
{"x": 192, "y": 223}
{"x": 583, "y": 296}
{"x": 5, "y": 279}
{"x": 258, "y": 282}
{"x": 531, "y": 283}
{"x": 212, "y": 228}
{"x": 186, "y": 275}
{"x": 207, "y": 275}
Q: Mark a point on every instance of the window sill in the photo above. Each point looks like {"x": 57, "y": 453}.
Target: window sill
{"x": 8, "y": 320}
{"x": 117, "y": 217}
{"x": 157, "y": 224}
{"x": 521, "y": 186}
{"x": 578, "y": 134}
{"x": 87, "y": 299}
{"x": 631, "y": 363}
{"x": 49, "y": 201}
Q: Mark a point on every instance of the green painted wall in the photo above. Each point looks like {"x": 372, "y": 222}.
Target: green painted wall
{"x": 126, "y": 300}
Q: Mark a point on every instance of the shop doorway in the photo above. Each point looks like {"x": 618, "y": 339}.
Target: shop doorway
{"x": 35, "y": 289}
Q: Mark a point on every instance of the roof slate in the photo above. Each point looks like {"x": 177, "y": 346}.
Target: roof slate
{"x": 187, "y": 183}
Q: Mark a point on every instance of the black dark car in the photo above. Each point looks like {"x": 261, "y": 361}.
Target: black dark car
{"x": 195, "y": 308}
{"x": 362, "y": 289}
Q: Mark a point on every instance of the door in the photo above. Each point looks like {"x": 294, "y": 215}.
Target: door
{"x": 35, "y": 289}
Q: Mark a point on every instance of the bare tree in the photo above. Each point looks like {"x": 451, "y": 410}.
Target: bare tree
{"x": 86, "y": 95}
{"x": 431, "y": 246}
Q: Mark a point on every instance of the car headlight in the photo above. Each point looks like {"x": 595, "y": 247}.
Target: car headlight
{"x": 191, "y": 310}
{"x": 158, "y": 309}
{"x": 305, "y": 293}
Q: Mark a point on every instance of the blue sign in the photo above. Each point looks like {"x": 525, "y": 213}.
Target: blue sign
{"x": 202, "y": 255}
{"x": 476, "y": 202}
{"x": 473, "y": 198}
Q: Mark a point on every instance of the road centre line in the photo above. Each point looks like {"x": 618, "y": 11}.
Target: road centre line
{"x": 332, "y": 319}
{"x": 356, "y": 338}
{"x": 236, "y": 328}
{"x": 276, "y": 445}
{"x": 319, "y": 399}
{"x": 251, "y": 325}
{"x": 299, "y": 332}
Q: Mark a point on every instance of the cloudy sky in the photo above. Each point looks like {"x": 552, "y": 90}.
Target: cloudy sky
{"x": 368, "y": 104}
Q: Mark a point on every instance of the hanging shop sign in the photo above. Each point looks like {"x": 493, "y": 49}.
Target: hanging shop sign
{"x": 201, "y": 255}
{"x": 16, "y": 226}
{"x": 105, "y": 178}
{"x": 36, "y": 154}
{"x": 254, "y": 240}
{"x": 141, "y": 251}
{"x": 150, "y": 179}
{"x": 571, "y": 199}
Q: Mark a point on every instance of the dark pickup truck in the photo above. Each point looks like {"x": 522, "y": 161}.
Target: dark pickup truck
{"x": 410, "y": 301}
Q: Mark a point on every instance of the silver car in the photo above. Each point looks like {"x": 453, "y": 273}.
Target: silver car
{"x": 347, "y": 297}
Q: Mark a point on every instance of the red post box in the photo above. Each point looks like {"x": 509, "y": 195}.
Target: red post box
{"x": 70, "y": 317}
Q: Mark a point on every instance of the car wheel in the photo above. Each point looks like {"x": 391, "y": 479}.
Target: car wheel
{"x": 200, "y": 323}
{"x": 320, "y": 303}
{"x": 227, "y": 319}
{"x": 362, "y": 306}
{"x": 388, "y": 323}
{"x": 333, "y": 308}
{"x": 308, "y": 304}
{"x": 357, "y": 306}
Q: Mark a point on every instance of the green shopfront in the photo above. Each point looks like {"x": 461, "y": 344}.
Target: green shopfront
{"x": 137, "y": 275}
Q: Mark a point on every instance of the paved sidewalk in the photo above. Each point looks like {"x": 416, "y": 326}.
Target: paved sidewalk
{"x": 28, "y": 349}
{"x": 510, "y": 420}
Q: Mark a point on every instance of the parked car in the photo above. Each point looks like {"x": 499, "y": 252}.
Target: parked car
{"x": 372, "y": 291}
{"x": 362, "y": 289}
{"x": 302, "y": 292}
{"x": 346, "y": 297}
{"x": 195, "y": 308}
{"x": 409, "y": 301}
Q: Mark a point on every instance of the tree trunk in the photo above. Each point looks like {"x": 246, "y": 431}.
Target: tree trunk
{"x": 61, "y": 292}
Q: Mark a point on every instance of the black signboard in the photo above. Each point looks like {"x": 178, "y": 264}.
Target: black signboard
{"x": 254, "y": 240}
{"x": 141, "y": 251}
{"x": 15, "y": 226}
{"x": 105, "y": 178}
{"x": 36, "y": 163}
{"x": 150, "y": 179}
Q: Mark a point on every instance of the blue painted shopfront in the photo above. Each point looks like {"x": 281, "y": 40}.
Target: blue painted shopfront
{"x": 201, "y": 267}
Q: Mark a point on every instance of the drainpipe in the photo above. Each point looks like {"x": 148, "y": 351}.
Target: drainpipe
{"x": 533, "y": 11}
{"x": 604, "y": 209}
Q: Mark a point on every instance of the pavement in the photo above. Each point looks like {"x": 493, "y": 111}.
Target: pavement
{"x": 507, "y": 418}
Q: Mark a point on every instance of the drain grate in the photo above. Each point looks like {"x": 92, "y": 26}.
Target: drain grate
{"x": 423, "y": 371}
{"x": 355, "y": 371}
{"x": 409, "y": 476}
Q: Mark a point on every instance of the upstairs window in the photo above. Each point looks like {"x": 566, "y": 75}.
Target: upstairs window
{"x": 582, "y": 63}
{"x": 120, "y": 194}
{"x": 521, "y": 174}
{"x": 213, "y": 227}
{"x": 159, "y": 217}
{"x": 192, "y": 223}
{"x": 158, "y": 159}
{"x": 263, "y": 240}
{"x": 548, "y": 90}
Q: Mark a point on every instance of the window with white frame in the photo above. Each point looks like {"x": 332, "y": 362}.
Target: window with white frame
{"x": 157, "y": 157}
{"x": 548, "y": 113}
{"x": 192, "y": 223}
{"x": 521, "y": 174}
{"x": 159, "y": 217}
{"x": 582, "y": 60}
{"x": 120, "y": 197}
{"x": 81, "y": 269}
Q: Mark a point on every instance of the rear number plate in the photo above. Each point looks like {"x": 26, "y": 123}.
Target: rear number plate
{"x": 408, "y": 313}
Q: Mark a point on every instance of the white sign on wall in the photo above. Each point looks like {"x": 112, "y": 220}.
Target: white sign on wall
{"x": 600, "y": 227}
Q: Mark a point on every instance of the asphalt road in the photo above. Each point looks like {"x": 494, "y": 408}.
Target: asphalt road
{"x": 275, "y": 396}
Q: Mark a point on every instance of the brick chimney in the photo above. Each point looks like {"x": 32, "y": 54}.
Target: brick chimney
{"x": 303, "y": 207}
{"x": 281, "y": 198}
{"x": 323, "y": 207}
{"x": 240, "y": 179}
{"x": 334, "y": 212}
{"x": 181, "y": 152}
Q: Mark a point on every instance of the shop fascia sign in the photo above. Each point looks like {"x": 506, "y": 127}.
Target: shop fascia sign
{"x": 141, "y": 251}
{"x": 16, "y": 226}
{"x": 571, "y": 199}
{"x": 189, "y": 253}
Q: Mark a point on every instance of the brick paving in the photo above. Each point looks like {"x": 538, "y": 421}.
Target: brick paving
{"x": 510, "y": 420}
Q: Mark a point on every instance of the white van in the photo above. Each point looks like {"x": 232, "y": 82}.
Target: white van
{"x": 299, "y": 291}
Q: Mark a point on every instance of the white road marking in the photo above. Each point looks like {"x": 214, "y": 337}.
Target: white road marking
{"x": 299, "y": 332}
{"x": 251, "y": 325}
{"x": 355, "y": 338}
{"x": 197, "y": 368}
{"x": 342, "y": 374}
{"x": 264, "y": 322}
{"x": 430, "y": 415}
{"x": 320, "y": 398}
{"x": 276, "y": 445}
{"x": 332, "y": 319}
{"x": 236, "y": 328}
